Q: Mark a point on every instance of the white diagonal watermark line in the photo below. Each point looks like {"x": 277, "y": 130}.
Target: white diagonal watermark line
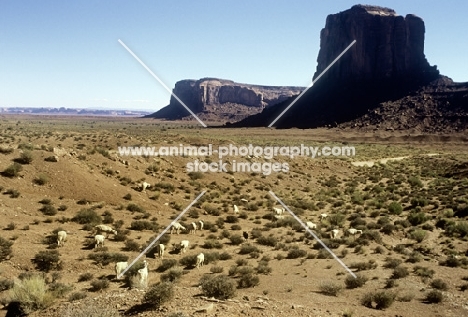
{"x": 160, "y": 81}
{"x": 311, "y": 84}
{"x": 161, "y": 234}
{"x": 313, "y": 234}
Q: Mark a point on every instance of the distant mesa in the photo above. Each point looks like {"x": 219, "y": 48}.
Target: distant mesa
{"x": 217, "y": 99}
{"x": 383, "y": 81}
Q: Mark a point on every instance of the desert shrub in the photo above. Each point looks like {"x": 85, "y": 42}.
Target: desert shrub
{"x": 263, "y": 268}
{"x": 232, "y": 219}
{"x": 31, "y": 294}
{"x": 12, "y": 170}
{"x": 462, "y": 228}
{"x": 391, "y": 263}
{"x": 166, "y": 264}
{"x": 159, "y": 294}
{"x": 211, "y": 257}
{"x": 248, "y": 280}
{"x": 419, "y": 235}
{"x": 140, "y": 225}
{"x": 104, "y": 258}
{"x": 423, "y": 271}
{"x": 434, "y": 297}
{"x": 388, "y": 228}
{"x": 248, "y": 248}
{"x": 270, "y": 241}
{"x": 59, "y": 289}
{"x": 451, "y": 261}
{"x": 47, "y": 260}
{"x": 188, "y": 260}
{"x": 219, "y": 286}
{"x": 361, "y": 266}
{"x": 382, "y": 300}
{"x": 12, "y": 192}
{"x": 216, "y": 269}
{"x": 414, "y": 181}
{"x": 87, "y": 216}
{"x": 336, "y": 219}
{"x": 135, "y": 208}
{"x": 131, "y": 245}
{"x": 98, "y": 285}
{"x": 296, "y": 253}
{"x": 85, "y": 277}
{"x": 212, "y": 244}
{"x": 48, "y": 210}
{"x": 128, "y": 196}
{"x": 355, "y": 282}
{"x": 330, "y": 288}
{"x": 236, "y": 239}
{"x": 26, "y": 157}
{"x": 400, "y": 272}
{"x": 225, "y": 256}
{"x": 77, "y": 296}
{"x": 41, "y": 179}
{"x": 417, "y": 218}
{"x": 395, "y": 208}
{"x": 439, "y": 284}
{"x": 173, "y": 275}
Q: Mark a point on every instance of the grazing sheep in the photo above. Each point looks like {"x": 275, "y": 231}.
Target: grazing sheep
{"x": 201, "y": 224}
{"x": 161, "y": 250}
{"x": 176, "y": 227}
{"x": 278, "y": 211}
{"x": 143, "y": 274}
{"x": 236, "y": 209}
{"x": 323, "y": 216}
{"x": 61, "y": 237}
{"x": 194, "y": 228}
{"x": 200, "y": 260}
{"x": 119, "y": 268}
{"x": 335, "y": 233}
{"x": 99, "y": 239}
{"x": 245, "y": 234}
{"x": 353, "y": 231}
{"x": 103, "y": 228}
{"x": 144, "y": 186}
{"x": 311, "y": 225}
{"x": 184, "y": 245}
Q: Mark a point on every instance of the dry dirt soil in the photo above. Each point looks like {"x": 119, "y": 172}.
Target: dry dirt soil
{"x": 426, "y": 240}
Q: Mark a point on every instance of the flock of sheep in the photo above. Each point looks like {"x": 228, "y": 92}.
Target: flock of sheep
{"x": 184, "y": 244}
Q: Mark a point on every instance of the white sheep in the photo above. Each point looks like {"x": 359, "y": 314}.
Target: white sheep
{"x": 236, "y": 209}
{"x": 279, "y": 217}
{"x": 184, "y": 245}
{"x": 144, "y": 186}
{"x": 201, "y": 224}
{"x": 194, "y": 228}
{"x": 200, "y": 260}
{"x": 103, "y": 228}
{"x": 353, "y": 231}
{"x": 99, "y": 239}
{"x": 335, "y": 233}
{"x": 176, "y": 227}
{"x": 119, "y": 268}
{"x": 161, "y": 250}
{"x": 143, "y": 274}
{"x": 278, "y": 211}
{"x": 323, "y": 216}
{"x": 311, "y": 225}
{"x": 61, "y": 237}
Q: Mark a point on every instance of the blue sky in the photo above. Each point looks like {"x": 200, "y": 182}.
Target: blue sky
{"x": 66, "y": 53}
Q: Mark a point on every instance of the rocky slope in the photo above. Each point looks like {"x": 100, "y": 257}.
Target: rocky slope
{"x": 223, "y": 100}
{"x": 385, "y": 68}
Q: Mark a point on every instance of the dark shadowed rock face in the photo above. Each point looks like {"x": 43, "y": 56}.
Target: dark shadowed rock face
{"x": 223, "y": 100}
{"x": 388, "y": 46}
